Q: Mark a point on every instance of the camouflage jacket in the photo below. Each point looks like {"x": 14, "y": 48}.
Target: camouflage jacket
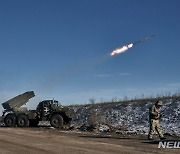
{"x": 154, "y": 113}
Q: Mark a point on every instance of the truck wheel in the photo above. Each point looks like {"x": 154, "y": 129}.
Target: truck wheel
{"x": 10, "y": 120}
{"x": 33, "y": 122}
{"x": 22, "y": 121}
{"x": 56, "y": 121}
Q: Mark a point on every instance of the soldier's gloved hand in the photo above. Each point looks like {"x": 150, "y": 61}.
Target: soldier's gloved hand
{"x": 156, "y": 114}
{"x": 159, "y": 115}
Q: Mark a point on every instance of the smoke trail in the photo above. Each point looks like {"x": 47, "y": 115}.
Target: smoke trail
{"x": 69, "y": 72}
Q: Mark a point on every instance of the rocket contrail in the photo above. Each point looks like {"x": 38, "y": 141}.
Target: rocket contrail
{"x": 126, "y": 47}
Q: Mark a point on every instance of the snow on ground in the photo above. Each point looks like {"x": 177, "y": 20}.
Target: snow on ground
{"x": 130, "y": 117}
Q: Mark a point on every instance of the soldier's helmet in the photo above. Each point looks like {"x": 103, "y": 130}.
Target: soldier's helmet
{"x": 159, "y": 103}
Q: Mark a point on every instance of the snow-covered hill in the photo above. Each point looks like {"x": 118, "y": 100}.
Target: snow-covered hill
{"x": 127, "y": 117}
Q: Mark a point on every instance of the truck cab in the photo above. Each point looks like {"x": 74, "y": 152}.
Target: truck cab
{"x": 46, "y": 107}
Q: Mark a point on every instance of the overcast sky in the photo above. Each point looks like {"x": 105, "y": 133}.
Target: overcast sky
{"x": 60, "y": 48}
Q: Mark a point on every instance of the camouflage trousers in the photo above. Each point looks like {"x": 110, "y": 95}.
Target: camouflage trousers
{"x": 154, "y": 126}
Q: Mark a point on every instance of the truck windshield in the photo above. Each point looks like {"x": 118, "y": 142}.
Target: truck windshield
{"x": 55, "y": 103}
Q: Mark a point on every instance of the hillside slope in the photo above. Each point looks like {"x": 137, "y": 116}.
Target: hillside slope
{"x": 127, "y": 117}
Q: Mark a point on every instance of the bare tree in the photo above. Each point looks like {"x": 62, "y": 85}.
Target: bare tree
{"x": 92, "y": 100}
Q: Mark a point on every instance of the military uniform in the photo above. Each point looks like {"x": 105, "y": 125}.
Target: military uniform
{"x": 154, "y": 116}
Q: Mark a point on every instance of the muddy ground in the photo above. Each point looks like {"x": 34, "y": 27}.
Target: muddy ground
{"x": 54, "y": 141}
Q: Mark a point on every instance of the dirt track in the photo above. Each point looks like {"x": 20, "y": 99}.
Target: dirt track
{"x": 44, "y": 140}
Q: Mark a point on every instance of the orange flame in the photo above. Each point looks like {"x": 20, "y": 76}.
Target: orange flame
{"x": 121, "y": 50}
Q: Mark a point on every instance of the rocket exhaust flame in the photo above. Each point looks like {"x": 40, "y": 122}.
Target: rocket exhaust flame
{"x": 122, "y": 49}
{"x": 126, "y": 47}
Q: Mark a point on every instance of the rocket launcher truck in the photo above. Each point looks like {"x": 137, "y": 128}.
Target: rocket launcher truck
{"x": 48, "y": 110}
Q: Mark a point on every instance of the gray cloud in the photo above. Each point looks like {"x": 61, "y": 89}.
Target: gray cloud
{"x": 124, "y": 74}
{"x": 110, "y": 75}
{"x": 175, "y": 85}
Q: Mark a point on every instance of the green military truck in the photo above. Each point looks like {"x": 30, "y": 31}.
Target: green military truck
{"x": 48, "y": 110}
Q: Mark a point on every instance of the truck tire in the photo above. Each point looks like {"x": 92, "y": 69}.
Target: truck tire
{"x": 56, "y": 121}
{"x": 33, "y": 122}
{"x": 22, "y": 121}
{"x": 10, "y": 120}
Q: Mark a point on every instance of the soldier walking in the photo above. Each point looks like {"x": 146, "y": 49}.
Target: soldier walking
{"x": 154, "y": 116}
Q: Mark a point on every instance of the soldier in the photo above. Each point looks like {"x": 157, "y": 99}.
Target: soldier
{"x": 154, "y": 116}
